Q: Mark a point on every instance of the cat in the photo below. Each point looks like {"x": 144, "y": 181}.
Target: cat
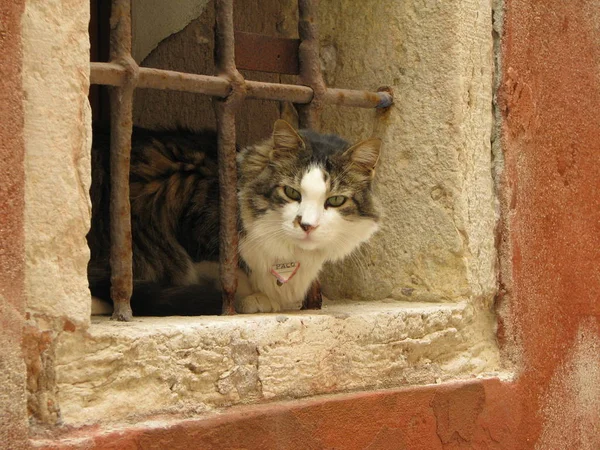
{"x": 304, "y": 198}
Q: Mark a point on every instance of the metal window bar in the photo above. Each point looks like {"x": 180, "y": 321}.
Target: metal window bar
{"x": 230, "y": 89}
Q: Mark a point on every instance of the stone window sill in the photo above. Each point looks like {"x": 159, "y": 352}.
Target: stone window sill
{"x": 192, "y": 365}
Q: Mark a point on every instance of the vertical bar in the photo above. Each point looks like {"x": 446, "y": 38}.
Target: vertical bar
{"x": 225, "y": 110}
{"x": 310, "y": 64}
{"x": 314, "y": 298}
{"x": 121, "y": 101}
{"x": 310, "y": 114}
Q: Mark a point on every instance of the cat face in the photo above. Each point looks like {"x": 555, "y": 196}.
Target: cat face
{"x": 309, "y": 191}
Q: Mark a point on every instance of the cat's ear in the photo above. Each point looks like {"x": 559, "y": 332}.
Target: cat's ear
{"x": 285, "y": 138}
{"x": 289, "y": 113}
{"x": 365, "y": 155}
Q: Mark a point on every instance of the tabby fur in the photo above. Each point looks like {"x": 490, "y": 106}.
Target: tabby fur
{"x": 175, "y": 216}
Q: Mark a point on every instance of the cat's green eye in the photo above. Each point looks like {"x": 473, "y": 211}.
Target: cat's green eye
{"x": 292, "y": 193}
{"x": 335, "y": 201}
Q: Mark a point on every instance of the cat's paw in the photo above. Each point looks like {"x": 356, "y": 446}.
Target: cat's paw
{"x": 255, "y": 303}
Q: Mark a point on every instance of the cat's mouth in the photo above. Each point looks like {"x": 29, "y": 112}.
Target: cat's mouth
{"x": 307, "y": 241}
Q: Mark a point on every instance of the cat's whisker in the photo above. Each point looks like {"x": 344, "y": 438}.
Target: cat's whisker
{"x": 255, "y": 242}
{"x": 354, "y": 259}
{"x": 359, "y": 263}
{"x": 359, "y": 256}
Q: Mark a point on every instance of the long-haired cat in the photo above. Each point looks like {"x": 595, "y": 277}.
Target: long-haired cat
{"x": 305, "y": 198}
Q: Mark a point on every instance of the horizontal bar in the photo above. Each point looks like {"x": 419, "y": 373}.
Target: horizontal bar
{"x": 357, "y": 99}
{"x": 266, "y": 53}
{"x": 112, "y": 74}
{"x": 282, "y": 92}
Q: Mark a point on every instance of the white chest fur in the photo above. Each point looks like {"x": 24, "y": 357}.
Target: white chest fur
{"x": 273, "y": 251}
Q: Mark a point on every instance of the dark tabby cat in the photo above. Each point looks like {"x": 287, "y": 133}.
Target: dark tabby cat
{"x": 305, "y": 198}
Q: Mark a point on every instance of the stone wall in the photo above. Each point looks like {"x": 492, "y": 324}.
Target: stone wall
{"x": 117, "y": 372}
{"x": 57, "y": 137}
{"x": 434, "y": 176}
{"x": 57, "y": 159}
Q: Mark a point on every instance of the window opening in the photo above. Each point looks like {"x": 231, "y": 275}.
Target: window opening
{"x": 230, "y": 89}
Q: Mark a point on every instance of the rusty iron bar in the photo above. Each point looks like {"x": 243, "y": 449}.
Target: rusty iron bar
{"x": 310, "y": 114}
{"x": 121, "y": 102}
{"x": 281, "y": 92}
{"x": 357, "y": 99}
{"x": 115, "y": 75}
{"x": 225, "y": 110}
{"x": 314, "y": 297}
{"x": 112, "y": 74}
{"x": 310, "y": 64}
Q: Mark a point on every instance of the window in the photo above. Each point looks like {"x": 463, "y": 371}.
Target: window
{"x": 432, "y": 264}
{"x": 228, "y": 85}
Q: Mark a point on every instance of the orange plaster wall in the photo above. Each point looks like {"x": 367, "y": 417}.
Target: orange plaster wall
{"x": 13, "y": 420}
{"x": 549, "y": 313}
{"x": 550, "y": 100}
{"x": 458, "y": 415}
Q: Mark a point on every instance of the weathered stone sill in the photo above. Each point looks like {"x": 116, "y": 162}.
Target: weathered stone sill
{"x": 120, "y": 371}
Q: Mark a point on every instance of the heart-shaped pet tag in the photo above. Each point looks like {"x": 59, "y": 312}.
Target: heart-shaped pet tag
{"x": 284, "y": 271}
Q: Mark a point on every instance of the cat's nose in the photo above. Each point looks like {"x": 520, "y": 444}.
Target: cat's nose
{"x": 307, "y": 227}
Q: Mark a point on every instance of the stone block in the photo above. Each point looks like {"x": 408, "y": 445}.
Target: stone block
{"x": 119, "y": 371}
{"x": 57, "y": 158}
{"x": 434, "y": 177}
